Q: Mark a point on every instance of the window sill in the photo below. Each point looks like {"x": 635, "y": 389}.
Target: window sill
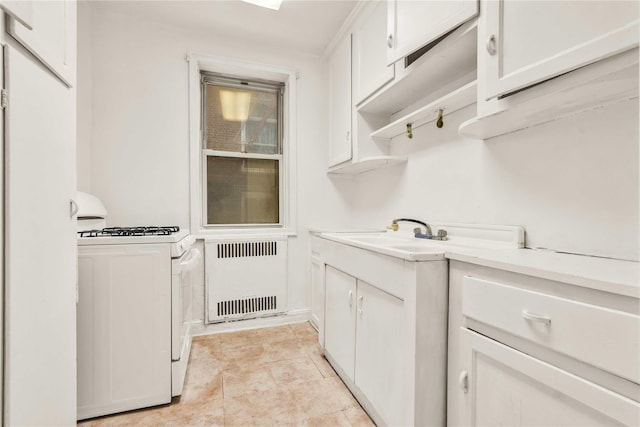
{"x": 234, "y": 233}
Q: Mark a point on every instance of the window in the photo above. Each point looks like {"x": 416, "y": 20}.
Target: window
{"x": 242, "y": 156}
{"x": 242, "y": 147}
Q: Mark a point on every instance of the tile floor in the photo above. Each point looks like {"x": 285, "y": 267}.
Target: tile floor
{"x": 262, "y": 377}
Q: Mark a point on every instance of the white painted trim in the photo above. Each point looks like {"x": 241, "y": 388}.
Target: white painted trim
{"x": 346, "y": 27}
{"x": 292, "y": 316}
{"x": 243, "y": 68}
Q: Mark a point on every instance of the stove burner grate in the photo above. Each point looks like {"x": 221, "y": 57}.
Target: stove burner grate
{"x": 131, "y": 231}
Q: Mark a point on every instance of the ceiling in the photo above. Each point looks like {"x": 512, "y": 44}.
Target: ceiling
{"x": 301, "y": 25}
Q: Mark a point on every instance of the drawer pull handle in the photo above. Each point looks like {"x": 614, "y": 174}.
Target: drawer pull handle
{"x": 350, "y": 299}
{"x": 536, "y": 318}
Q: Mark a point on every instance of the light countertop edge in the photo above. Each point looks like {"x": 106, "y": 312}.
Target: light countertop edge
{"x": 609, "y": 275}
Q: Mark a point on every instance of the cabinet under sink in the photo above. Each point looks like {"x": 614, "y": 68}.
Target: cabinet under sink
{"x": 384, "y": 330}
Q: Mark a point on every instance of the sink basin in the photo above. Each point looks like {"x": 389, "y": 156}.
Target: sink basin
{"x": 400, "y": 245}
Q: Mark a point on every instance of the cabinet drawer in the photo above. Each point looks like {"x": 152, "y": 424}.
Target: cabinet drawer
{"x": 605, "y": 338}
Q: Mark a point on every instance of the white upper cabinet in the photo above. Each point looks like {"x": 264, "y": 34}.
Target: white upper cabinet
{"x": 522, "y": 43}
{"x": 48, "y": 38}
{"x": 340, "y": 103}
{"x": 370, "y": 67}
{"x": 414, "y": 24}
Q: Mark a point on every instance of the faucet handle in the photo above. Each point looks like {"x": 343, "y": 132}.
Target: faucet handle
{"x": 393, "y": 227}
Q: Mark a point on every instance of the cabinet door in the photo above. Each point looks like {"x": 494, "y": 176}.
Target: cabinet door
{"x": 340, "y": 319}
{"x": 124, "y": 332}
{"x": 317, "y": 296}
{"x": 412, "y": 24}
{"x": 379, "y": 350}
{"x": 52, "y": 38}
{"x": 340, "y": 103}
{"x": 370, "y": 69}
{"x": 507, "y": 387}
{"x": 521, "y": 43}
{"x": 40, "y": 246}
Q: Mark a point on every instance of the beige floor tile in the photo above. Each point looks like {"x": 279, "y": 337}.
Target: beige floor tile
{"x": 247, "y": 379}
{"x": 358, "y": 417}
{"x": 263, "y": 408}
{"x": 336, "y": 388}
{"x": 311, "y": 399}
{"x": 294, "y": 371}
{"x": 275, "y": 334}
{"x": 335, "y": 419}
{"x": 314, "y": 351}
{"x": 305, "y": 331}
{"x": 283, "y": 350}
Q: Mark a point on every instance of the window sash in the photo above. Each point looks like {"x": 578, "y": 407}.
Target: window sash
{"x": 206, "y": 153}
{"x": 208, "y": 78}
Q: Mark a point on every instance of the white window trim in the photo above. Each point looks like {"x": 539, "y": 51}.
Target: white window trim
{"x": 242, "y": 68}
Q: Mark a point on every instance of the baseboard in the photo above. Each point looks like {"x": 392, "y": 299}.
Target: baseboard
{"x": 292, "y": 316}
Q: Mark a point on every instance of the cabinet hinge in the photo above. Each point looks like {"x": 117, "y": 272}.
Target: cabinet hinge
{"x": 4, "y": 99}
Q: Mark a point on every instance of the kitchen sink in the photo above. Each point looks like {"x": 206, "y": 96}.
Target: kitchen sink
{"x": 399, "y": 245}
{"x": 403, "y": 244}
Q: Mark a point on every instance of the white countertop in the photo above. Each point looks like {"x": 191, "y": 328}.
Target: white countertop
{"x": 609, "y": 275}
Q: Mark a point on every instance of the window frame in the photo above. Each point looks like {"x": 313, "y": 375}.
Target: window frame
{"x": 255, "y": 72}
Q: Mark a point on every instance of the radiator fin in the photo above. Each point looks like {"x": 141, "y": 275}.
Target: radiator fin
{"x": 247, "y": 249}
{"x": 246, "y": 305}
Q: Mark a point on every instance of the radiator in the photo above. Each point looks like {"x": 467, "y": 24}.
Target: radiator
{"x": 245, "y": 278}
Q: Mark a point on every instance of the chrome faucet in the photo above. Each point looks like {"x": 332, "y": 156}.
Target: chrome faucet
{"x": 417, "y": 232}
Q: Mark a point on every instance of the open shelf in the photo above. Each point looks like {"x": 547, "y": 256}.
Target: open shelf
{"x": 449, "y": 103}
{"x": 366, "y": 164}
{"x": 605, "y": 82}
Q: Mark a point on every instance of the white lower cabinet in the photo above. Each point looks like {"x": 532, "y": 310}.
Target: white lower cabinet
{"x": 340, "y": 319}
{"x": 527, "y": 351}
{"x": 317, "y": 294}
{"x": 508, "y": 387}
{"x": 364, "y": 338}
{"x": 378, "y": 367}
{"x": 385, "y": 332}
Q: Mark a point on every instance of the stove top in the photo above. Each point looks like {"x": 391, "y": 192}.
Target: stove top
{"x": 130, "y": 231}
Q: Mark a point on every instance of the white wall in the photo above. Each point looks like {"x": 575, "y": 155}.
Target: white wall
{"x": 572, "y": 183}
{"x": 84, "y": 97}
{"x": 139, "y": 156}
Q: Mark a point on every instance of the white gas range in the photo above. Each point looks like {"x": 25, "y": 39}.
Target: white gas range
{"x": 133, "y": 343}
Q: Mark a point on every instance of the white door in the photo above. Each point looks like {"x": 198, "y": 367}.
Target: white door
{"x": 340, "y": 319}
{"x": 40, "y": 246}
{"x": 379, "y": 352}
{"x": 370, "y": 69}
{"x": 50, "y": 37}
{"x": 507, "y": 387}
{"x": 340, "y": 103}
{"x": 413, "y": 24}
{"x": 521, "y": 43}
